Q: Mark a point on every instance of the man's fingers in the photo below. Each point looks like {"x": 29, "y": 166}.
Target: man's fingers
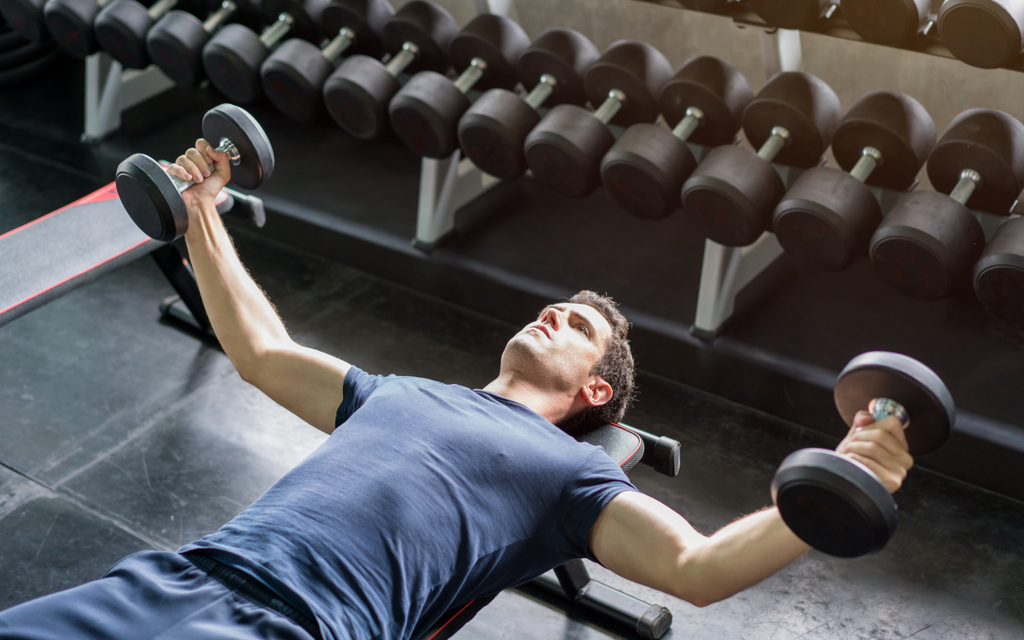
{"x": 898, "y": 463}
{"x": 885, "y": 440}
{"x": 893, "y": 427}
{"x": 197, "y": 159}
{"x": 179, "y": 172}
{"x": 892, "y": 479}
{"x": 185, "y": 163}
{"x": 862, "y": 419}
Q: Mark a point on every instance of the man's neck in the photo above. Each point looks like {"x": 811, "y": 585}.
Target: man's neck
{"x": 551, "y": 406}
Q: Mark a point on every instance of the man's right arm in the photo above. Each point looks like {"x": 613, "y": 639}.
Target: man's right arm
{"x": 305, "y": 381}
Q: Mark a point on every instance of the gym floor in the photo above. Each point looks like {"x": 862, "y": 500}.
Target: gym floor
{"x": 121, "y": 432}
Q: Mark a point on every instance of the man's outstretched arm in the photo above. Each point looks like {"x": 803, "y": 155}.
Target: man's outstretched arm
{"x": 645, "y": 541}
{"x": 305, "y": 381}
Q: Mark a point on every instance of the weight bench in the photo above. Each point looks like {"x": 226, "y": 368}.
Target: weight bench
{"x": 76, "y": 244}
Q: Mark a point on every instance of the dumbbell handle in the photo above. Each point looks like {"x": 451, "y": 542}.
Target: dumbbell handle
{"x": 969, "y": 181}
{"x": 882, "y": 408}
{"x": 476, "y": 69}
{"x": 276, "y": 31}
{"x": 870, "y": 159}
{"x": 160, "y": 8}
{"x": 545, "y": 87}
{"x": 774, "y": 144}
{"x": 616, "y": 100}
{"x": 397, "y": 64}
{"x": 337, "y": 46}
{"x": 686, "y": 127}
{"x": 215, "y": 19}
{"x": 226, "y": 146}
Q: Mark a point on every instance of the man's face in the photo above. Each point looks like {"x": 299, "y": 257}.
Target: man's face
{"x": 560, "y": 349}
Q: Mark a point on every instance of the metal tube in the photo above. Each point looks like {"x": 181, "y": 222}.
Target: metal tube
{"x": 276, "y": 31}
{"x": 870, "y": 159}
{"x": 774, "y": 144}
{"x": 689, "y": 124}
{"x": 831, "y": 11}
{"x": 545, "y": 87}
{"x": 882, "y": 408}
{"x": 969, "y": 181}
{"x": 473, "y": 73}
{"x": 160, "y": 8}
{"x": 402, "y": 59}
{"x": 102, "y": 3}
{"x": 342, "y": 41}
{"x": 616, "y": 100}
{"x": 217, "y": 18}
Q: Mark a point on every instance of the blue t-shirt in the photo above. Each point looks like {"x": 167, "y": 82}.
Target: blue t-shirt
{"x": 425, "y": 497}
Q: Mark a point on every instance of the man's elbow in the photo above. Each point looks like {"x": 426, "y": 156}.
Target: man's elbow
{"x": 696, "y": 584}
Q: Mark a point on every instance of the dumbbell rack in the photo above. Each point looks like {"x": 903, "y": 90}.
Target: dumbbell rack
{"x": 111, "y": 89}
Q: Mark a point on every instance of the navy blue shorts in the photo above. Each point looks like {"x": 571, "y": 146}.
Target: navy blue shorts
{"x": 149, "y": 595}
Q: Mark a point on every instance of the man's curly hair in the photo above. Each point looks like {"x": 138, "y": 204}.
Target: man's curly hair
{"x": 615, "y": 366}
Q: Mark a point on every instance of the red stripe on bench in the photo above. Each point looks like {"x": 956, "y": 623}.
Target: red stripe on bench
{"x": 639, "y": 440}
{"x": 95, "y": 266}
{"x": 459, "y": 613}
{"x": 108, "y": 192}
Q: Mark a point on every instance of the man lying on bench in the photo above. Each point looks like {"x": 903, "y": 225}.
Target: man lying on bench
{"x": 426, "y": 496}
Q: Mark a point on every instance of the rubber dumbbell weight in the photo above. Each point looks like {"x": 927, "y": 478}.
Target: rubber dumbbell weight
{"x": 928, "y": 242}
{"x": 793, "y": 14}
{"x": 233, "y": 57}
{"x": 425, "y": 113}
{"x": 152, "y": 197}
{"x": 26, "y": 18}
{"x": 70, "y": 22}
{"x": 121, "y": 27}
{"x": 999, "y": 272}
{"x": 175, "y": 43}
{"x": 827, "y": 217}
{"x": 645, "y": 169}
{"x": 887, "y": 21}
{"x": 838, "y": 505}
{"x": 733, "y": 192}
{"x": 492, "y": 132}
{"x": 357, "y": 94}
{"x": 982, "y": 33}
{"x": 564, "y": 151}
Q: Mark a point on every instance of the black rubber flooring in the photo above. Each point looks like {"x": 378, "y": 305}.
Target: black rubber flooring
{"x": 119, "y": 432}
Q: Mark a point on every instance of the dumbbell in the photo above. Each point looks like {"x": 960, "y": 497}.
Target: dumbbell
{"x": 929, "y": 241}
{"x": 152, "y": 197}
{"x": 999, "y": 273}
{"x": 70, "y": 22}
{"x": 886, "y": 21}
{"x": 645, "y": 169}
{"x": 425, "y": 112}
{"x": 293, "y": 76}
{"x": 121, "y": 27}
{"x": 838, "y": 505}
{"x": 982, "y": 33}
{"x": 733, "y": 192}
{"x": 233, "y": 57}
{"x": 26, "y": 18}
{"x": 793, "y": 14}
{"x": 357, "y": 94}
{"x": 175, "y": 43}
{"x": 565, "y": 149}
{"x": 827, "y": 217}
{"x": 493, "y": 130}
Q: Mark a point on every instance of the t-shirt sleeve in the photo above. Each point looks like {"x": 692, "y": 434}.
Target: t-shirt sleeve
{"x": 357, "y": 388}
{"x": 596, "y": 482}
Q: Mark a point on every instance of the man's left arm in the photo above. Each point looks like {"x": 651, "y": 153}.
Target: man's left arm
{"x": 645, "y": 541}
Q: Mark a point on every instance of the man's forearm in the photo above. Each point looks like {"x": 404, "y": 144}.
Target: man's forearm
{"x": 740, "y": 555}
{"x": 243, "y": 319}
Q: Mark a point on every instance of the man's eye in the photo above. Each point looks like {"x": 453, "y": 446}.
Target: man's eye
{"x": 584, "y": 329}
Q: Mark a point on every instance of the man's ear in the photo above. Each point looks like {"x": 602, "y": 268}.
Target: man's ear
{"x": 597, "y": 392}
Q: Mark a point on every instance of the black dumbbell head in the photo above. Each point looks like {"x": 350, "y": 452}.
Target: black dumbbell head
{"x": 982, "y": 33}
{"x": 564, "y": 54}
{"x": 826, "y": 219}
{"x": 635, "y": 68}
{"x": 426, "y": 25}
{"x": 425, "y": 113}
{"x": 834, "y": 504}
{"x": 232, "y": 60}
{"x": 565, "y": 149}
{"x": 121, "y": 29}
{"x": 886, "y": 21}
{"x": 357, "y": 97}
{"x": 801, "y": 103}
{"x": 926, "y": 245}
{"x": 365, "y": 17}
{"x": 493, "y": 130}
{"x": 895, "y": 124}
{"x": 292, "y": 79}
{"x": 989, "y": 142}
{"x": 715, "y": 87}
{"x": 882, "y": 374}
{"x": 175, "y": 44}
{"x": 499, "y": 41}
{"x": 789, "y": 14}
{"x": 70, "y": 23}
{"x": 150, "y": 198}
{"x": 645, "y": 170}
{"x": 26, "y": 18}
{"x": 999, "y": 274}
{"x": 731, "y": 196}
{"x": 254, "y": 148}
